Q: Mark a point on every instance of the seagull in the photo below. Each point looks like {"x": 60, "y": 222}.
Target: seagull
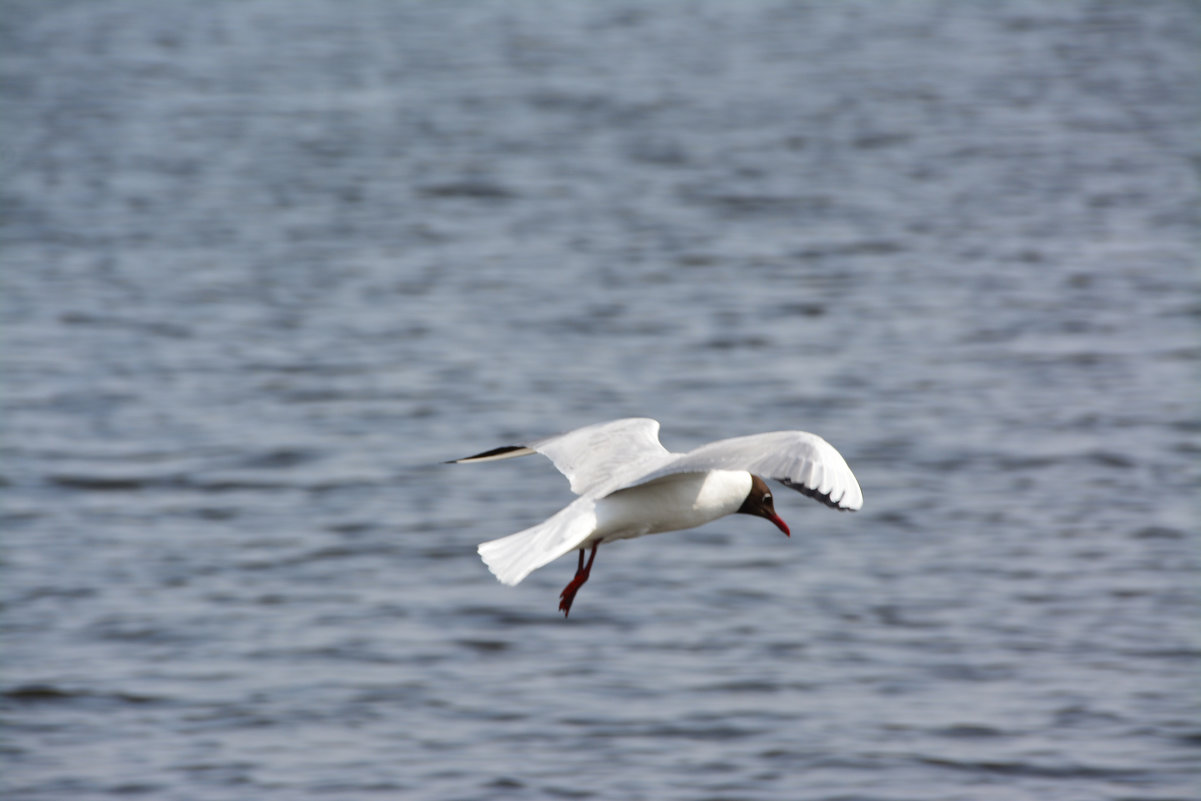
{"x": 629, "y": 486}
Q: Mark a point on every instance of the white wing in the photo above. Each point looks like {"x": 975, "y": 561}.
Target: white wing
{"x": 596, "y": 459}
{"x": 800, "y": 460}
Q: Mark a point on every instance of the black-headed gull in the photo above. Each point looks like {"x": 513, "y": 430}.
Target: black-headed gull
{"x": 630, "y": 485}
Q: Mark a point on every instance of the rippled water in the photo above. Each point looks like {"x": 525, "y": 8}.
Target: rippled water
{"x": 266, "y": 264}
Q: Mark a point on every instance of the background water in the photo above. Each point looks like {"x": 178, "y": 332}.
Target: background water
{"x": 267, "y": 263}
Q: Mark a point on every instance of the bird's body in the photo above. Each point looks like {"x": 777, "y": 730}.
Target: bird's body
{"x": 630, "y": 486}
{"x": 680, "y": 501}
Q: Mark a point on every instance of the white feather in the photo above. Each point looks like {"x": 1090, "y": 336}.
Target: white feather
{"x": 514, "y": 557}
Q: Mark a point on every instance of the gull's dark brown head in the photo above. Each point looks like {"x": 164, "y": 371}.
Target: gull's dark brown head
{"x": 759, "y": 503}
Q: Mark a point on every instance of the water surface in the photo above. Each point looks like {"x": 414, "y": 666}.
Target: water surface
{"x": 267, "y": 264}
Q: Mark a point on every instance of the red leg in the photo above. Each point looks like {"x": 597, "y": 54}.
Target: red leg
{"x": 581, "y": 575}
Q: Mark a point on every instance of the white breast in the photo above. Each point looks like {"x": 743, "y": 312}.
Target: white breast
{"x": 675, "y": 502}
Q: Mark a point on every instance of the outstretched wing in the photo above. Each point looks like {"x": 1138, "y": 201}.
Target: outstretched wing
{"x": 800, "y": 460}
{"x": 596, "y": 459}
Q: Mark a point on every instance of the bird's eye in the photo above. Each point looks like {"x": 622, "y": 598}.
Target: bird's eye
{"x": 767, "y": 498}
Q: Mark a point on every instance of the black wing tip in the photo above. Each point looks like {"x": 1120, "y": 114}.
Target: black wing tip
{"x": 821, "y": 497}
{"x": 501, "y": 451}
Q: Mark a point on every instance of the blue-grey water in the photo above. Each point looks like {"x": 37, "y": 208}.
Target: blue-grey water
{"x": 267, "y": 264}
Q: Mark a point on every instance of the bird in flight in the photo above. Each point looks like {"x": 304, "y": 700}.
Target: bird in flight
{"x": 629, "y": 486}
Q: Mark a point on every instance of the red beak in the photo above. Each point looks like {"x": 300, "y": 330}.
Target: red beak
{"x": 780, "y": 524}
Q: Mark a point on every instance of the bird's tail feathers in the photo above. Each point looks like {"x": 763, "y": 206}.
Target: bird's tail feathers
{"x": 514, "y": 557}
